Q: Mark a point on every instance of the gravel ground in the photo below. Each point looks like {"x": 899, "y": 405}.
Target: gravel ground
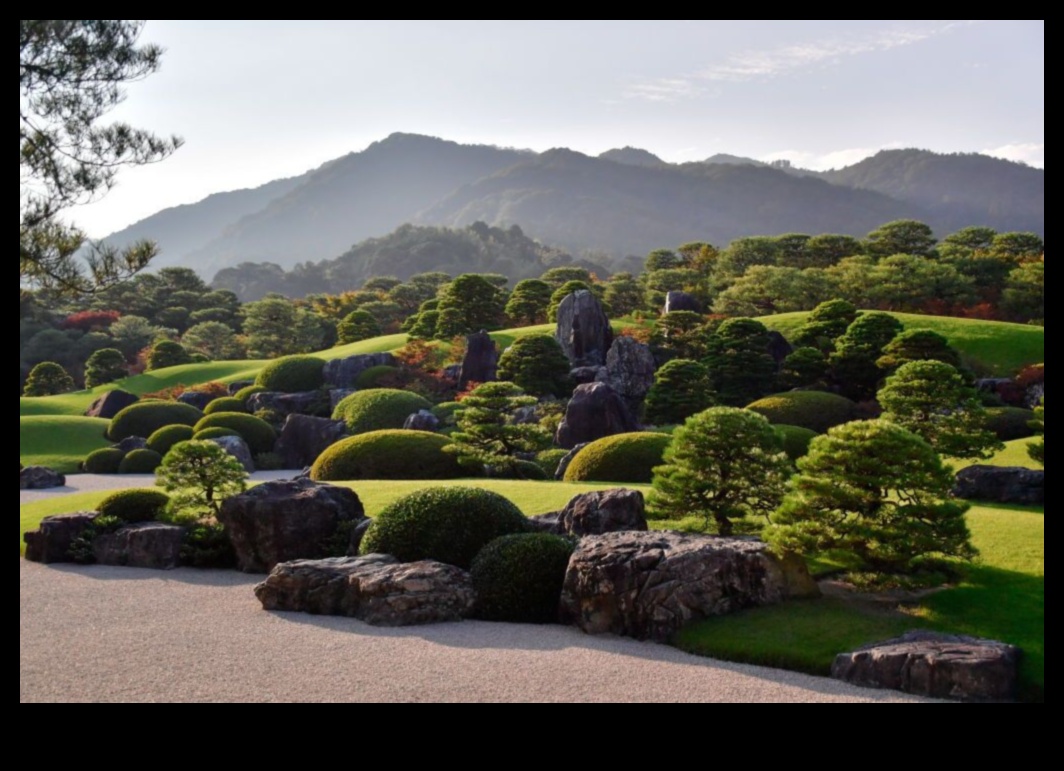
{"x": 118, "y": 635}
{"x": 91, "y": 483}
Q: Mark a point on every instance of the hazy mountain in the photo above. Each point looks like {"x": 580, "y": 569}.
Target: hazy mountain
{"x": 723, "y": 159}
{"x": 633, "y": 156}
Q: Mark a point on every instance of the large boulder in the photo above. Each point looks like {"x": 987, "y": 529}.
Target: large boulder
{"x": 110, "y": 404}
{"x": 778, "y": 348}
{"x": 584, "y": 375}
{"x": 651, "y": 585}
{"x": 481, "y": 362}
{"x": 595, "y": 412}
{"x": 304, "y": 438}
{"x": 337, "y": 395}
{"x": 584, "y": 331}
{"x": 681, "y": 301}
{"x": 994, "y": 484}
{"x": 344, "y": 373}
{"x": 239, "y": 385}
{"x": 609, "y": 511}
{"x": 935, "y": 665}
{"x": 148, "y": 545}
{"x": 567, "y": 461}
{"x": 195, "y": 399}
{"x": 376, "y": 589}
{"x": 286, "y": 521}
{"x": 283, "y": 405}
{"x": 50, "y": 543}
{"x": 630, "y": 369}
{"x": 422, "y": 421}
{"x": 237, "y": 448}
{"x": 39, "y": 478}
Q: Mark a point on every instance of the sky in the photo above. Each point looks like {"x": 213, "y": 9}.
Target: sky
{"x": 257, "y": 100}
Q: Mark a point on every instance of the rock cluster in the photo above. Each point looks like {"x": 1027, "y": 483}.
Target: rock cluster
{"x": 595, "y": 412}
{"x": 303, "y": 439}
{"x": 994, "y": 484}
{"x": 344, "y": 373}
{"x": 584, "y": 330}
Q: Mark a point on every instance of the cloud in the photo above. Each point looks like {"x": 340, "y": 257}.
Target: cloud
{"x": 836, "y": 159}
{"x": 663, "y": 90}
{"x": 1030, "y": 153}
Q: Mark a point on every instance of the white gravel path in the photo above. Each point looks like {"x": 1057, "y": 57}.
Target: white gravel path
{"x": 91, "y": 483}
{"x": 117, "y": 635}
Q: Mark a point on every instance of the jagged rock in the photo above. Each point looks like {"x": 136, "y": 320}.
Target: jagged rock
{"x": 1035, "y": 395}
{"x": 651, "y": 585}
{"x": 344, "y": 373}
{"x": 595, "y": 412}
{"x": 481, "y": 361}
{"x": 50, "y": 543}
{"x": 585, "y": 375}
{"x": 337, "y": 395}
{"x": 374, "y": 589}
{"x": 306, "y": 403}
{"x": 452, "y": 373}
{"x": 563, "y": 465}
{"x": 237, "y": 448}
{"x": 239, "y": 385}
{"x": 110, "y": 404}
{"x": 526, "y": 416}
{"x": 610, "y": 511}
{"x": 994, "y": 484}
{"x": 584, "y": 331}
{"x": 39, "y": 478}
{"x": 422, "y": 421}
{"x": 195, "y": 399}
{"x": 630, "y": 369}
{"x": 546, "y": 523}
{"x": 935, "y": 665}
{"x": 778, "y": 348}
{"x": 284, "y": 521}
{"x": 681, "y": 301}
{"x": 303, "y": 439}
{"x": 131, "y": 443}
{"x": 358, "y": 533}
{"x": 148, "y": 545}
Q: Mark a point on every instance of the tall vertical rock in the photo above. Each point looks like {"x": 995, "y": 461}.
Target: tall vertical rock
{"x": 595, "y": 412}
{"x": 481, "y": 361}
{"x": 584, "y": 331}
{"x": 630, "y": 369}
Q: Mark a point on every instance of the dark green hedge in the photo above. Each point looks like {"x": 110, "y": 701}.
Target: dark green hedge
{"x": 134, "y": 505}
{"x": 140, "y": 462}
{"x": 293, "y": 374}
{"x": 145, "y": 418}
{"x": 259, "y": 434}
{"x": 626, "y": 458}
{"x": 388, "y": 455}
{"x": 519, "y": 578}
{"x": 163, "y": 440}
{"x": 378, "y": 410}
{"x": 816, "y": 410}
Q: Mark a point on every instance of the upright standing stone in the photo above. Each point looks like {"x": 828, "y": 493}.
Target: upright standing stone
{"x": 304, "y": 438}
{"x": 630, "y": 369}
{"x": 584, "y": 331}
{"x": 110, "y": 404}
{"x": 481, "y": 361}
{"x": 778, "y": 348}
{"x": 344, "y": 373}
{"x": 595, "y": 412}
{"x": 681, "y": 301}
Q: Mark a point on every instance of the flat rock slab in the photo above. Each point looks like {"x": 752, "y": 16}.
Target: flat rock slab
{"x": 375, "y": 589}
{"x": 150, "y": 545}
{"x": 935, "y": 665}
{"x": 649, "y": 586}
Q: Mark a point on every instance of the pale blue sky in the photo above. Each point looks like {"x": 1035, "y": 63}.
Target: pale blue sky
{"x": 260, "y": 99}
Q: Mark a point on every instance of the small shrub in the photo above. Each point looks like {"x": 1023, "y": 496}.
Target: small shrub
{"x": 268, "y": 461}
{"x": 519, "y": 578}
{"x": 259, "y": 434}
{"x": 145, "y": 418}
{"x": 48, "y": 379}
{"x": 446, "y": 524}
{"x": 626, "y": 458}
{"x": 378, "y": 410}
{"x": 140, "y": 462}
{"x": 213, "y": 433}
{"x": 207, "y": 547}
{"x": 227, "y": 404}
{"x": 163, "y": 440}
{"x": 795, "y": 440}
{"x": 246, "y": 393}
{"x": 815, "y": 410}
{"x": 293, "y": 374}
{"x": 167, "y": 354}
{"x": 134, "y": 505}
{"x": 103, "y": 461}
{"x": 374, "y": 377}
{"x": 549, "y": 460}
{"x": 524, "y": 470}
{"x": 446, "y": 413}
{"x": 200, "y": 477}
{"x": 1010, "y": 423}
{"x": 387, "y": 455}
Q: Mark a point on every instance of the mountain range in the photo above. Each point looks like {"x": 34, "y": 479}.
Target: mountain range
{"x": 624, "y": 202}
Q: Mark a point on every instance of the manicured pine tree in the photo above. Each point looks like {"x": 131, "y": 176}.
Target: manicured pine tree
{"x": 488, "y": 436}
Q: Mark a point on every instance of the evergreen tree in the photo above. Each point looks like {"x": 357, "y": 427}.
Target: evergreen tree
{"x": 199, "y": 477}
{"x": 105, "y": 366}
{"x": 471, "y": 303}
{"x": 853, "y": 365}
{"x": 489, "y": 437}
{"x": 48, "y": 379}
{"x": 739, "y": 362}
{"x": 918, "y": 345}
{"x": 826, "y": 324}
{"x": 1038, "y": 449}
{"x": 167, "y": 354}
{"x": 529, "y": 303}
{"x": 538, "y": 365}
{"x": 358, "y": 326}
{"x": 682, "y": 388}
{"x": 680, "y": 335}
{"x": 624, "y": 295}
{"x": 804, "y": 368}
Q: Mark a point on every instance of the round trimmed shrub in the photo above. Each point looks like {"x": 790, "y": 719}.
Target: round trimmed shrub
{"x": 145, "y": 418}
{"x": 378, "y": 410}
{"x": 795, "y": 440}
{"x": 213, "y": 433}
{"x": 372, "y": 377}
{"x": 140, "y": 462}
{"x": 549, "y": 460}
{"x": 226, "y": 404}
{"x": 259, "y": 434}
{"x": 163, "y": 440}
{"x": 446, "y": 524}
{"x": 388, "y": 455}
{"x": 816, "y": 410}
{"x": 103, "y": 461}
{"x": 293, "y": 374}
{"x": 525, "y": 470}
{"x": 246, "y": 393}
{"x": 519, "y": 578}
{"x": 1010, "y": 423}
{"x": 625, "y": 458}
{"x": 446, "y": 413}
{"x": 134, "y": 505}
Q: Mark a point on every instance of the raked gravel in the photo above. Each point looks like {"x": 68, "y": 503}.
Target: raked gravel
{"x": 118, "y": 635}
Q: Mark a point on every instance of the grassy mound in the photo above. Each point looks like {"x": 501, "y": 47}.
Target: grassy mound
{"x": 60, "y": 443}
{"x": 387, "y": 455}
{"x": 292, "y": 374}
{"x": 813, "y": 410}
{"x": 622, "y": 459}
{"x": 378, "y": 410}
{"x": 145, "y": 418}
{"x": 258, "y": 434}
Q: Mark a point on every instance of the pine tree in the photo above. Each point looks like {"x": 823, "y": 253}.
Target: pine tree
{"x": 739, "y": 362}
{"x": 358, "y": 326}
{"x": 529, "y": 303}
{"x": 682, "y": 388}
{"x": 1037, "y": 449}
{"x": 105, "y": 366}
{"x": 199, "y": 477}
{"x": 537, "y": 365}
{"x": 48, "y": 379}
{"x": 489, "y": 437}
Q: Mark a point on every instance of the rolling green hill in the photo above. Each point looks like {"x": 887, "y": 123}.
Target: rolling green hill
{"x": 59, "y": 442}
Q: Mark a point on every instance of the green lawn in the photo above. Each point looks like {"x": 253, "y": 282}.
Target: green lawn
{"x": 1002, "y": 598}
{"x": 60, "y": 443}
{"x": 1014, "y": 455}
{"x": 993, "y": 348}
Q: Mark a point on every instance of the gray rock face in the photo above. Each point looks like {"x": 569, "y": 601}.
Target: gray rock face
{"x": 197, "y": 400}
{"x": 239, "y": 385}
{"x": 39, "y": 478}
{"x": 374, "y": 589}
{"x": 778, "y": 348}
{"x": 303, "y": 439}
{"x": 584, "y": 331}
{"x": 481, "y": 362}
{"x": 630, "y": 369}
{"x": 337, "y": 395}
{"x": 595, "y": 412}
{"x": 50, "y": 544}
{"x": 1018, "y": 486}
{"x": 610, "y": 511}
{"x": 110, "y": 404}
{"x": 285, "y": 521}
{"x": 651, "y": 585}
{"x": 681, "y": 301}
{"x": 567, "y": 461}
{"x": 306, "y": 403}
{"x": 344, "y": 373}
{"x": 237, "y": 448}
{"x": 422, "y": 421}
{"x": 935, "y": 665}
{"x": 149, "y": 545}
{"x": 129, "y": 444}
{"x": 585, "y": 375}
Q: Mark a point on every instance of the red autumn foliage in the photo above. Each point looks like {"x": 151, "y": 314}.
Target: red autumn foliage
{"x": 92, "y": 321}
